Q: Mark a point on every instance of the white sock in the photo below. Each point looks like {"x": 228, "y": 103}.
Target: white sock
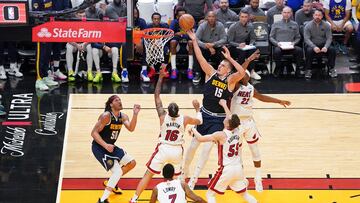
{"x": 134, "y": 198}
{"x": 191, "y": 61}
{"x": 258, "y": 172}
{"x": 210, "y": 196}
{"x": 105, "y": 195}
{"x": 114, "y": 70}
{"x": 173, "y": 62}
{"x": 124, "y": 69}
{"x": 249, "y": 198}
{"x": 56, "y": 64}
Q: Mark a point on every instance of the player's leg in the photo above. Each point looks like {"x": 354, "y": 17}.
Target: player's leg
{"x": 211, "y": 196}
{"x": 70, "y": 49}
{"x": 189, "y": 156}
{"x": 218, "y": 184}
{"x": 204, "y": 156}
{"x": 89, "y": 62}
{"x": 56, "y": 48}
{"x": 2, "y": 69}
{"x": 348, "y": 28}
{"x": 173, "y": 45}
{"x": 144, "y": 182}
{"x": 124, "y": 72}
{"x": 115, "y": 59}
{"x": 97, "y": 53}
{"x": 190, "y": 74}
{"x": 12, "y": 53}
{"x": 252, "y": 136}
{"x": 113, "y": 180}
{"x": 239, "y": 183}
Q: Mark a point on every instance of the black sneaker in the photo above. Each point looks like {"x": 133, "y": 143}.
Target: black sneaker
{"x": 115, "y": 190}
{"x": 105, "y": 201}
{"x": 197, "y": 77}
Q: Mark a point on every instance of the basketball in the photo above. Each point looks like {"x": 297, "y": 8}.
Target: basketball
{"x": 186, "y": 22}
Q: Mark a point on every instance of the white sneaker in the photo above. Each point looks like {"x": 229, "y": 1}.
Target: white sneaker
{"x": 258, "y": 184}
{"x": 49, "y": 81}
{"x": 192, "y": 183}
{"x": 2, "y": 73}
{"x": 59, "y": 75}
{"x": 124, "y": 76}
{"x": 14, "y": 70}
{"x": 41, "y": 85}
{"x": 254, "y": 75}
{"x": 144, "y": 76}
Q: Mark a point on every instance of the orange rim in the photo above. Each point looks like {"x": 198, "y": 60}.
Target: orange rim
{"x": 137, "y": 35}
{"x": 147, "y": 35}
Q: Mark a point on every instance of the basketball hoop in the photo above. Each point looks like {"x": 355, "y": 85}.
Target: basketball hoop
{"x": 155, "y": 40}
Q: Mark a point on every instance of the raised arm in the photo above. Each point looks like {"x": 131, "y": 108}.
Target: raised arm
{"x": 104, "y": 119}
{"x": 191, "y": 195}
{"x": 223, "y": 103}
{"x": 218, "y": 136}
{"x": 194, "y": 121}
{"x": 205, "y": 66}
{"x": 154, "y": 195}
{"x": 158, "y": 103}
{"x": 268, "y": 99}
{"x": 132, "y": 124}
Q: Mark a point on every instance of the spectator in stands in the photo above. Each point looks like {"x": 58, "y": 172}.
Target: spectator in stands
{"x": 317, "y": 4}
{"x": 144, "y": 75}
{"x": 139, "y": 24}
{"x": 356, "y": 18}
{"x": 182, "y": 38}
{"x": 337, "y": 13}
{"x": 225, "y": 15}
{"x": 241, "y": 34}
{"x": 196, "y": 8}
{"x": 94, "y": 12}
{"x": 116, "y": 10}
{"x": 12, "y": 55}
{"x": 275, "y": 11}
{"x": 318, "y": 38}
{"x": 305, "y": 14}
{"x": 211, "y": 37}
{"x": 45, "y": 72}
{"x": 285, "y": 30}
{"x": 254, "y": 10}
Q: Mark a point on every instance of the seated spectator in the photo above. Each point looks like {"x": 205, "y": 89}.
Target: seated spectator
{"x": 144, "y": 75}
{"x": 275, "y": 12}
{"x": 211, "y": 37}
{"x": 73, "y": 47}
{"x": 337, "y": 13}
{"x": 254, "y": 10}
{"x": 12, "y": 54}
{"x": 196, "y": 8}
{"x": 116, "y": 10}
{"x": 180, "y": 37}
{"x": 224, "y": 14}
{"x": 318, "y": 38}
{"x": 94, "y": 12}
{"x": 304, "y": 15}
{"x": 139, "y": 24}
{"x": 112, "y": 49}
{"x": 285, "y": 30}
{"x": 241, "y": 34}
{"x": 356, "y": 17}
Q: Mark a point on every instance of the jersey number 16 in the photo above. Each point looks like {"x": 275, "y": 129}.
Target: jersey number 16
{"x": 171, "y": 135}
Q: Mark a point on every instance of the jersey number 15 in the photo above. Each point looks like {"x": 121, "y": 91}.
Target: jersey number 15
{"x": 218, "y": 92}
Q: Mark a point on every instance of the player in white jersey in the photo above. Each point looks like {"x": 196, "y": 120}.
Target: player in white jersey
{"x": 230, "y": 172}
{"x": 173, "y": 191}
{"x": 242, "y": 105}
{"x": 169, "y": 149}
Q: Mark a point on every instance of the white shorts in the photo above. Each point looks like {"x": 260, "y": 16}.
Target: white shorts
{"x": 230, "y": 175}
{"x": 339, "y": 22}
{"x": 249, "y": 131}
{"x": 164, "y": 154}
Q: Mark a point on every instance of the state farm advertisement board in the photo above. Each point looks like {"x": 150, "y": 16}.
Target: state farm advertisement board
{"x": 59, "y": 31}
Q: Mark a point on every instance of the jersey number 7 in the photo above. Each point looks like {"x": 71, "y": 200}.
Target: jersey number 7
{"x": 172, "y": 198}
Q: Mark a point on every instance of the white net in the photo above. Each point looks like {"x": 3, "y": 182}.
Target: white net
{"x": 155, "y": 40}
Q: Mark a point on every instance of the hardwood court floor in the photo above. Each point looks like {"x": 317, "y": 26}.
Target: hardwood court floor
{"x": 316, "y": 136}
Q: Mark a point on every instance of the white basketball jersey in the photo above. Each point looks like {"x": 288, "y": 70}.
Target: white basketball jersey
{"x": 242, "y": 101}
{"x": 228, "y": 152}
{"x": 172, "y": 130}
{"x": 171, "y": 192}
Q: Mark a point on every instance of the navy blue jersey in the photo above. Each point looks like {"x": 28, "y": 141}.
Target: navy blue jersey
{"x": 214, "y": 90}
{"x": 111, "y": 131}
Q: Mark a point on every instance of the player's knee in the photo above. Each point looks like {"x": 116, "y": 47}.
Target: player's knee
{"x": 131, "y": 164}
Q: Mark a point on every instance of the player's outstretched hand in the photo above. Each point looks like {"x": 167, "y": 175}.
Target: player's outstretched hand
{"x": 136, "y": 108}
{"x": 191, "y": 34}
{"x": 226, "y": 52}
{"x": 285, "y": 103}
{"x": 222, "y": 102}
{"x": 255, "y": 55}
{"x": 196, "y": 104}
